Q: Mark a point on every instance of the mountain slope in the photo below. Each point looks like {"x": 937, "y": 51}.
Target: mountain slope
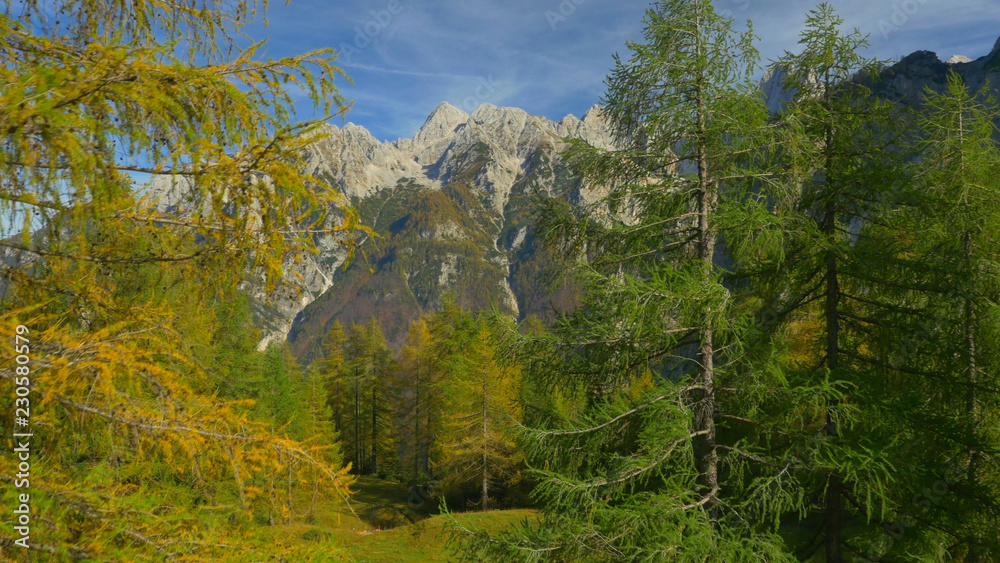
{"x": 453, "y": 209}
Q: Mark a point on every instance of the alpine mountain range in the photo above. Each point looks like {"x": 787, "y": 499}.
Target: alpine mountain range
{"x": 454, "y": 209}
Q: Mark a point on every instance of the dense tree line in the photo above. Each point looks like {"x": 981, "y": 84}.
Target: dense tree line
{"x": 440, "y": 412}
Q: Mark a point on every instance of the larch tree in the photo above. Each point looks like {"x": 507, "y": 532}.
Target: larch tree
{"x": 317, "y": 426}
{"x": 476, "y": 446}
{"x": 934, "y": 327}
{"x": 959, "y": 160}
{"x": 365, "y": 397}
{"x": 418, "y": 401}
{"x": 678, "y": 471}
{"x": 332, "y": 369}
{"x": 844, "y": 154}
{"x": 91, "y": 92}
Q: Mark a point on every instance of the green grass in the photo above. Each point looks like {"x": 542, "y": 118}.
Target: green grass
{"x": 420, "y": 534}
{"x": 427, "y": 540}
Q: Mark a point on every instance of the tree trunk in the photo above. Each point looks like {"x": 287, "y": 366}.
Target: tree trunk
{"x": 357, "y": 422}
{"x": 704, "y": 444}
{"x": 416, "y": 426}
{"x": 240, "y": 487}
{"x": 287, "y": 517}
{"x": 834, "y": 491}
{"x": 374, "y": 466}
{"x": 973, "y": 399}
{"x": 486, "y": 475}
{"x": 338, "y": 414}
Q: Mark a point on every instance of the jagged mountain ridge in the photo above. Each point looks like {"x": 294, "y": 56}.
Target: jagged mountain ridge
{"x": 452, "y": 207}
{"x": 906, "y": 80}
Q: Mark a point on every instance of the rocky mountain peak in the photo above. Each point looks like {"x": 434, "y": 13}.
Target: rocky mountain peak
{"x": 594, "y": 116}
{"x": 440, "y": 123}
{"x": 453, "y": 208}
{"x": 461, "y": 178}
{"x": 489, "y": 114}
{"x": 569, "y": 120}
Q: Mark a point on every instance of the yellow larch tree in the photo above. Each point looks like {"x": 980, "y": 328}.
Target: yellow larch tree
{"x": 476, "y": 447}
{"x": 124, "y": 428}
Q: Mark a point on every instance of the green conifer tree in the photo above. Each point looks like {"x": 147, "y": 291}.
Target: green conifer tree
{"x": 673, "y": 472}
{"x": 843, "y": 156}
{"x": 418, "y": 401}
{"x": 365, "y": 394}
{"x": 933, "y": 322}
{"x": 476, "y": 446}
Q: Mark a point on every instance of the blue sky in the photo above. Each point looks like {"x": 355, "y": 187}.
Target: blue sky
{"x": 550, "y": 57}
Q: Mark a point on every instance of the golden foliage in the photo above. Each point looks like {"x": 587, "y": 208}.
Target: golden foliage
{"x": 91, "y": 93}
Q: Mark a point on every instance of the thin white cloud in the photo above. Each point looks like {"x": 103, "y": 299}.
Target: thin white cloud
{"x": 373, "y": 68}
{"x": 441, "y": 50}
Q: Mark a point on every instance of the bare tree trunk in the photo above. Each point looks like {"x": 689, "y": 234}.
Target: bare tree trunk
{"x": 357, "y": 422}
{"x": 416, "y": 427}
{"x": 486, "y": 475}
{"x": 288, "y": 494}
{"x": 374, "y": 430}
{"x": 338, "y": 412}
{"x": 704, "y": 444}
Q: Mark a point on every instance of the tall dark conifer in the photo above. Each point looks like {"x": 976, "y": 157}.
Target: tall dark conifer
{"x": 933, "y": 322}
{"x": 679, "y": 471}
{"x": 845, "y": 153}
